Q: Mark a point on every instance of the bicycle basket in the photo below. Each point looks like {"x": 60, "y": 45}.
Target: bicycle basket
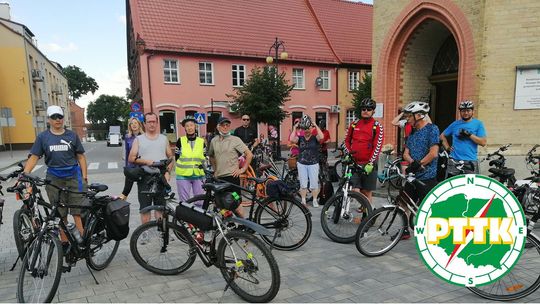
{"x": 194, "y": 215}
{"x": 227, "y": 200}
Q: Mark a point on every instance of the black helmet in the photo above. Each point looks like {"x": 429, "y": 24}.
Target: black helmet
{"x": 228, "y": 200}
{"x": 305, "y": 122}
{"x": 466, "y": 104}
{"x": 188, "y": 118}
{"x": 368, "y": 103}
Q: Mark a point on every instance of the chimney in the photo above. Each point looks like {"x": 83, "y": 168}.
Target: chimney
{"x": 5, "y": 11}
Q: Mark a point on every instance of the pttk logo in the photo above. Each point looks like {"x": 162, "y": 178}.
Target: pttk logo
{"x": 470, "y": 230}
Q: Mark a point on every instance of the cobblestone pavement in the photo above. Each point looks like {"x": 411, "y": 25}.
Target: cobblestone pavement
{"x": 320, "y": 271}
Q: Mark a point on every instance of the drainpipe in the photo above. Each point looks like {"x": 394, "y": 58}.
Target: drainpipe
{"x": 149, "y": 82}
{"x": 337, "y": 103}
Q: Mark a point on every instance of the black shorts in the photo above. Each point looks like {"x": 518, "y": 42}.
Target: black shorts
{"x": 365, "y": 181}
{"x": 148, "y": 199}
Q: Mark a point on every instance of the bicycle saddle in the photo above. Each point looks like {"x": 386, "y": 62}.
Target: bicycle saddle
{"x": 217, "y": 187}
{"x": 504, "y": 172}
{"x": 98, "y": 187}
{"x": 150, "y": 170}
{"x": 258, "y": 180}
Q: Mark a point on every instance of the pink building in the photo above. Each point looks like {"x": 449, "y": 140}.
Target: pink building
{"x": 185, "y": 56}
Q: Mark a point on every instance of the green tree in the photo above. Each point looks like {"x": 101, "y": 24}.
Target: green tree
{"x": 362, "y": 91}
{"x": 78, "y": 82}
{"x": 263, "y": 95}
{"x": 107, "y": 111}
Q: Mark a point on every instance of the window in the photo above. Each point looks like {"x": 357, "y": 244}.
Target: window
{"x": 350, "y": 117}
{"x": 320, "y": 116}
{"x": 238, "y": 75}
{"x": 170, "y": 71}
{"x": 354, "y": 80}
{"x": 298, "y": 78}
{"x": 325, "y": 76}
{"x": 206, "y": 74}
{"x": 296, "y": 115}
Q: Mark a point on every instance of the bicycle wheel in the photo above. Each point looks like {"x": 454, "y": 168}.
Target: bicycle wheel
{"x": 101, "y": 249}
{"x": 521, "y": 281}
{"x": 288, "y": 219}
{"x": 248, "y": 267}
{"x": 41, "y": 270}
{"x": 340, "y": 225}
{"x": 160, "y": 251}
{"x": 381, "y": 231}
{"x": 23, "y": 230}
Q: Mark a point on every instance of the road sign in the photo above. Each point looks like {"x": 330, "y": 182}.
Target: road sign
{"x": 138, "y": 115}
{"x": 200, "y": 118}
{"x": 135, "y": 107}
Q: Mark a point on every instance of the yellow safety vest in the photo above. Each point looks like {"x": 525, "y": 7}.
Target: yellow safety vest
{"x": 190, "y": 159}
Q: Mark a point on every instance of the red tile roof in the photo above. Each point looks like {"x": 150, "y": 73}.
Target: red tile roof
{"x": 248, "y": 28}
{"x": 348, "y": 27}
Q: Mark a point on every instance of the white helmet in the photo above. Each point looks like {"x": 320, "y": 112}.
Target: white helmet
{"x": 417, "y": 107}
{"x": 466, "y": 104}
{"x": 305, "y": 122}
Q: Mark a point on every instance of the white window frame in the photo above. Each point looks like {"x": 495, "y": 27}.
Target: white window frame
{"x": 298, "y": 80}
{"x": 326, "y": 85}
{"x": 354, "y": 80}
{"x": 236, "y": 75}
{"x": 168, "y": 71}
{"x": 206, "y": 72}
{"x": 350, "y": 117}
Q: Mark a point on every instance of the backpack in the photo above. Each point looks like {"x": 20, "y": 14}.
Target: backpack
{"x": 326, "y": 191}
{"x": 117, "y": 219}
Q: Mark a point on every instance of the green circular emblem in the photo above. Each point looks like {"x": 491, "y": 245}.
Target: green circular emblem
{"x": 470, "y": 230}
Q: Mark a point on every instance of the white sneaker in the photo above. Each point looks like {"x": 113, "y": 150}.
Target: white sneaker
{"x": 315, "y": 204}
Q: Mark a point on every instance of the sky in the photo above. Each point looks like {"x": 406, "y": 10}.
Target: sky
{"x": 88, "y": 34}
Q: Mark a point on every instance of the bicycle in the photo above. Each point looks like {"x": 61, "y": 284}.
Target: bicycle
{"x": 346, "y": 209}
{"x": 286, "y": 216}
{"x": 384, "y": 228}
{"x": 500, "y": 171}
{"x": 42, "y": 267}
{"x": 160, "y": 246}
{"x": 391, "y": 173}
{"x": 461, "y": 166}
{"x": 4, "y": 178}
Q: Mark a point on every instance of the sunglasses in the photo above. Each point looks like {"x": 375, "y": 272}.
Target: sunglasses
{"x": 366, "y": 109}
{"x": 56, "y": 117}
{"x": 245, "y": 119}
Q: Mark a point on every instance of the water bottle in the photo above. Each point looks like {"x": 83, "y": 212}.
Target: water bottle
{"x": 74, "y": 232}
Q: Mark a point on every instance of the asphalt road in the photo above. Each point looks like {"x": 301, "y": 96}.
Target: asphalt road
{"x": 320, "y": 271}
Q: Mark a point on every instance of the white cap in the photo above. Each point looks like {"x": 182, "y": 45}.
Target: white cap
{"x": 51, "y": 110}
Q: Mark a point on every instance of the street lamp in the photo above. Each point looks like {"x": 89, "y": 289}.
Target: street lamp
{"x": 276, "y": 46}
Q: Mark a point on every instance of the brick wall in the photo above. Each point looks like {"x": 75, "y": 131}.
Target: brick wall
{"x": 77, "y": 119}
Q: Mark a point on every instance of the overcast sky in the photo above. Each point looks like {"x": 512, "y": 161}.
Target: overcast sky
{"x": 88, "y": 34}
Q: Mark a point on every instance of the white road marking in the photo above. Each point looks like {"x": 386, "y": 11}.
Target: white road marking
{"x": 112, "y": 165}
{"x": 93, "y": 166}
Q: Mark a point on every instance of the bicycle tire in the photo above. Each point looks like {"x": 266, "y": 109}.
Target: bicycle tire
{"x": 349, "y": 222}
{"x": 23, "y": 230}
{"x": 250, "y": 264}
{"x": 97, "y": 243}
{"x": 514, "y": 282}
{"x": 377, "y": 224}
{"x": 35, "y": 253}
{"x": 139, "y": 245}
{"x": 287, "y": 209}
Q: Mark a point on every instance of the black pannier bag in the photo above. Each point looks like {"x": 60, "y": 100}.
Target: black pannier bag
{"x": 277, "y": 189}
{"x": 117, "y": 219}
{"x": 194, "y": 215}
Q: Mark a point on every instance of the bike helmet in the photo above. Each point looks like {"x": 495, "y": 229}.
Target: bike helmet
{"x": 417, "y": 107}
{"x": 368, "y": 103}
{"x": 466, "y": 104}
{"x": 305, "y": 122}
{"x": 228, "y": 200}
{"x": 188, "y": 118}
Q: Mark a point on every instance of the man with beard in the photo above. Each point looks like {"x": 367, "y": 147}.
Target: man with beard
{"x": 466, "y": 133}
